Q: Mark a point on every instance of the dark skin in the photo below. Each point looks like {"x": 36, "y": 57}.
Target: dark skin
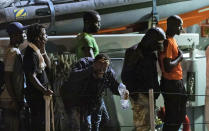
{"x": 41, "y": 41}
{"x": 15, "y": 41}
{"x": 100, "y": 67}
{"x": 90, "y": 27}
{"x": 139, "y": 55}
{"x": 173, "y": 30}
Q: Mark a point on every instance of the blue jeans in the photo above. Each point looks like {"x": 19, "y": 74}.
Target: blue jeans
{"x": 105, "y": 114}
{"x": 92, "y": 118}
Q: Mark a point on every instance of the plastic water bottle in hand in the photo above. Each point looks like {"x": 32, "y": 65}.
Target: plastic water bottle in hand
{"x": 124, "y": 99}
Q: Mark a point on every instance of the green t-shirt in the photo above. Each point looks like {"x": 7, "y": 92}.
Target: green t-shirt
{"x": 86, "y": 40}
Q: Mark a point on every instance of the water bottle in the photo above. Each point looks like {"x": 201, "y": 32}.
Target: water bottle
{"x": 124, "y": 102}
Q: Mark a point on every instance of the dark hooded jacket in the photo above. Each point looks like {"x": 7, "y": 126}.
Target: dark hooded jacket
{"x": 82, "y": 88}
{"x": 139, "y": 71}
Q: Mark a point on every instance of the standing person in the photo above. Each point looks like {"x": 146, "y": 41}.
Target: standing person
{"x": 88, "y": 80}
{"x": 35, "y": 63}
{"x": 86, "y": 43}
{"x": 12, "y": 96}
{"x": 139, "y": 74}
{"x": 171, "y": 81}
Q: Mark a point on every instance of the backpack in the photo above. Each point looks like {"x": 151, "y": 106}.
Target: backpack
{"x": 130, "y": 62}
{"x": 135, "y": 59}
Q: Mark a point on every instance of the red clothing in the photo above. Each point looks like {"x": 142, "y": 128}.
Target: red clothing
{"x": 171, "y": 51}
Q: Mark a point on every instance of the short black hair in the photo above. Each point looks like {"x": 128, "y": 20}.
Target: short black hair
{"x": 33, "y": 32}
{"x": 102, "y": 56}
{"x": 174, "y": 20}
{"x": 90, "y": 15}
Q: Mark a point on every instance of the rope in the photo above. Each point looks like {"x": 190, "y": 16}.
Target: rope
{"x": 131, "y": 94}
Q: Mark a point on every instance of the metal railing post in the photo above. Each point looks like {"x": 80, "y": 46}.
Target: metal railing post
{"x": 47, "y": 112}
{"x": 151, "y": 107}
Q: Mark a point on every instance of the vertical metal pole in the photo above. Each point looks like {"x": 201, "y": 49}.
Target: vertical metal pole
{"x": 207, "y": 90}
{"x": 52, "y": 113}
{"x": 47, "y": 112}
{"x": 151, "y": 107}
{"x": 155, "y": 16}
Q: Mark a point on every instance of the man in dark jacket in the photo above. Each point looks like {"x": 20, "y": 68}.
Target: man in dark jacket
{"x": 139, "y": 74}
{"x": 87, "y": 82}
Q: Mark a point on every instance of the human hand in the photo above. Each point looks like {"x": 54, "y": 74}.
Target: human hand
{"x": 42, "y": 48}
{"x": 48, "y": 92}
{"x": 126, "y": 94}
{"x": 100, "y": 64}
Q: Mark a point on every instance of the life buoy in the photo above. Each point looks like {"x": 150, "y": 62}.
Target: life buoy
{"x": 186, "y": 124}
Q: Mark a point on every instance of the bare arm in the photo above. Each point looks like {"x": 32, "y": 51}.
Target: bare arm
{"x": 45, "y": 56}
{"x": 88, "y": 51}
{"x": 88, "y": 48}
{"x": 47, "y": 60}
{"x": 169, "y": 64}
{"x": 36, "y": 83}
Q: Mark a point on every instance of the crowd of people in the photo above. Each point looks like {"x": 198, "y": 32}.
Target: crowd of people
{"x": 26, "y": 78}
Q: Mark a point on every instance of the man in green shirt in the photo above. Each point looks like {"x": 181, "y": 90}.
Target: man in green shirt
{"x": 86, "y": 43}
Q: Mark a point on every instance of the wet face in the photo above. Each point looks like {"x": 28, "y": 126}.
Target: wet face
{"x": 42, "y": 39}
{"x": 160, "y": 46}
{"x": 100, "y": 68}
{"x": 44, "y": 35}
{"x": 95, "y": 24}
{"x": 174, "y": 25}
{"x": 18, "y": 38}
{"x": 179, "y": 28}
{"x": 154, "y": 45}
